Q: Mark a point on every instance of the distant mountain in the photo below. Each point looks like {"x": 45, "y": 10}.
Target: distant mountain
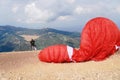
{"x": 11, "y": 39}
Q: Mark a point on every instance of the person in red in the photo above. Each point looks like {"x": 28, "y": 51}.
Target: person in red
{"x": 100, "y": 38}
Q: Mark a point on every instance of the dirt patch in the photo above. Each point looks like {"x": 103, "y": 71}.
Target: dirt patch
{"x": 25, "y": 65}
{"x": 29, "y": 37}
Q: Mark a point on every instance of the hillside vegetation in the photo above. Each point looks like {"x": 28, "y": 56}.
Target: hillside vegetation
{"x": 11, "y": 39}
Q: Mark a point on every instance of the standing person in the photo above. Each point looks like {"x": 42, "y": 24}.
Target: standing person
{"x": 33, "y": 46}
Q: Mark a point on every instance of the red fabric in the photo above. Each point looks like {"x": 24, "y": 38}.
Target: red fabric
{"x": 98, "y": 40}
{"x": 55, "y": 53}
{"x": 119, "y": 40}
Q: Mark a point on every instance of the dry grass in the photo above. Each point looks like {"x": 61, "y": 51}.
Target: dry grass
{"x": 26, "y": 66}
{"x": 29, "y": 37}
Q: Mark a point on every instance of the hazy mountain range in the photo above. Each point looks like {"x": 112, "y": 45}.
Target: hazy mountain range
{"x": 11, "y": 39}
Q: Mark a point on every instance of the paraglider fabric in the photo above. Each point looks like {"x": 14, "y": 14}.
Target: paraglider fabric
{"x": 99, "y": 39}
{"x": 56, "y": 53}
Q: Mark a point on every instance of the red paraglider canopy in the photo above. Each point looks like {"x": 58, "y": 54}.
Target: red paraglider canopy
{"x": 98, "y": 40}
{"x": 57, "y": 53}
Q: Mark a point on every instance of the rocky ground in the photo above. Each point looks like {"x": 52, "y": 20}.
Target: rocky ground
{"x": 25, "y": 65}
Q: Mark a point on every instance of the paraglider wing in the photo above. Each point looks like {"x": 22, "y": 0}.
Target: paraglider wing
{"x": 56, "y": 53}
{"x": 98, "y": 40}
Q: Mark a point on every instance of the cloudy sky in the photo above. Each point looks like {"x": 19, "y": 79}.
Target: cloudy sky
{"x": 70, "y": 15}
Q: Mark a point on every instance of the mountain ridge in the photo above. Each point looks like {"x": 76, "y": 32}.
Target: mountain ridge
{"x": 11, "y": 39}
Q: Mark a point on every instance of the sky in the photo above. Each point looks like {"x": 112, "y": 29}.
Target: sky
{"x": 68, "y": 15}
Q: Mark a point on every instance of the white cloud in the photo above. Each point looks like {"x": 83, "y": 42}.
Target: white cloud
{"x": 78, "y": 10}
{"x": 63, "y": 18}
{"x": 71, "y": 1}
{"x": 118, "y": 9}
{"x": 15, "y": 9}
{"x": 37, "y": 15}
{"x": 19, "y": 20}
{"x": 83, "y": 10}
{"x": 56, "y": 12}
